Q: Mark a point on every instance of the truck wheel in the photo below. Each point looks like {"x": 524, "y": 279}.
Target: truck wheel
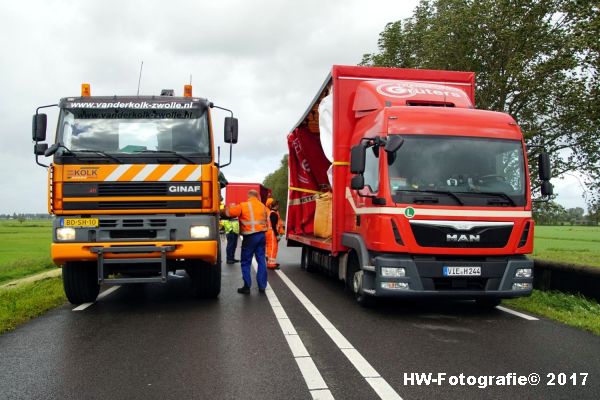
{"x": 354, "y": 281}
{"x": 206, "y": 279}
{"x": 304, "y": 257}
{"x": 80, "y": 281}
{"x": 305, "y": 260}
{"x": 488, "y": 303}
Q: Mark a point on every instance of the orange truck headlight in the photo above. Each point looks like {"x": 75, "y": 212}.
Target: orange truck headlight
{"x": 64, "y": 234}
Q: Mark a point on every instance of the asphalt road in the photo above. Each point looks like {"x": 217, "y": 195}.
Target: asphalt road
{"x": 305, "y": 338}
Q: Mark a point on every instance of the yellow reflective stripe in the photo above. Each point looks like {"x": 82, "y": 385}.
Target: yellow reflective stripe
{"x": 296, "y": 189}
{"x": 340, "y": 163}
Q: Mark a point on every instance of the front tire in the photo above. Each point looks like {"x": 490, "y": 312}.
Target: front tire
{"x": 206, "y": 279}
{"x": 354, "y": 276}
{"x": 488, "y": 303}
{"x": 80, "y": 281}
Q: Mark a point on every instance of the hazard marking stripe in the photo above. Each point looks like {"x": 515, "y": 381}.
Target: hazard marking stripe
{"x": 116, "y": 174}
{"x": 184, "y": 173}
{"x": 143, "y": 174}
{"x": 130, "y": 173}
{"x": 196, "y": 174}
{"x": 174, "y": 170}
{"x": 435, "y": 211}
{"x": 155, "y": 172}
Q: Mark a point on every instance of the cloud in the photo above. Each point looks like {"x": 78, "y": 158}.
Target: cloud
{"x": 263, "y": 59}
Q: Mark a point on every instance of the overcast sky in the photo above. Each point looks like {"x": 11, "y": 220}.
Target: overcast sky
{"x": 263, "y": 59}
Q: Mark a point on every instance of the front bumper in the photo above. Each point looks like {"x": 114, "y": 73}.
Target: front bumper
{"x": 425, "y": 277}
{"x": 199, "y": 250}
{"x": 136, "y": 231}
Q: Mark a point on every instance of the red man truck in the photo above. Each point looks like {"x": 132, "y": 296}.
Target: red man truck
{"x": 428, "y": 196}
{"x": 237, "y": 192}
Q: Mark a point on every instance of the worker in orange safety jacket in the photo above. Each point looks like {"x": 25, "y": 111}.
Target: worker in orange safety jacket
{"x": 274, "y": 232}
{"x": 253, "y": 219}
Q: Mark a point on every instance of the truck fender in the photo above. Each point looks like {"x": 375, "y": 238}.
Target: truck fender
{"x": 356, "y": 243}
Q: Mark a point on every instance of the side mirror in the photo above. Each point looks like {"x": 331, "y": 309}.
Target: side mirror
{"x": 40, "y": 148}
{"x": 357, "y": 182}
{"x": 39, "y": 127}
{"x": 357, "y": 159}
{"x": 231, "y": 130}
{"x": 547, "y": 189}
{"x": 394, "y": 142}
{"x": 545, "y": 171}
{"x": 51, "y": 150}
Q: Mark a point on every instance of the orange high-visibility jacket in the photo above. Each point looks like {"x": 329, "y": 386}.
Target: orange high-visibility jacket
{"x": 279, "y": 227}
{"x": 253, "y": 216}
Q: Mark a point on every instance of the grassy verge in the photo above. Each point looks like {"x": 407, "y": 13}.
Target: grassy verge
{"x": 20, "y": 304}
{"x": 25, "y": 267}
{"x": 573, "y": 310}
{"x": 568, "y": 244}
{"x": 24, "y": 248}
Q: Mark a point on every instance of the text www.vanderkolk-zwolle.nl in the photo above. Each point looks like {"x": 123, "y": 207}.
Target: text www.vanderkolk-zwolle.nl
{"x": 133, "y": 105}
{"x": 484, "y": 381}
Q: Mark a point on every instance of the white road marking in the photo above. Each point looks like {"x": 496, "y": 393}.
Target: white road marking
{"x": 312, "y": 377}
{"x": 383, "y": 389}
{"x": 108, "y": 291}
{"x": 518, "y": 314}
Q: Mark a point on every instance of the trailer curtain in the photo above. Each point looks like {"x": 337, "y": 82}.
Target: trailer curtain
{"x": 308, "y": 176}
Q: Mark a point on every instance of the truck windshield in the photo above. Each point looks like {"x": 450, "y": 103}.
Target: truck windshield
{"x": 458, "y": 171}
{"x": 135, "y": 131}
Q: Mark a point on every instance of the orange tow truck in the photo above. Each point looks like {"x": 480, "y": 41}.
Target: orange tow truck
{"x": 134, "y": 190}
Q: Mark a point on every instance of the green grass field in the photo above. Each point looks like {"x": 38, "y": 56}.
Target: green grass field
{"x": 24, "y": 248}
{"x": 570, "y": 244}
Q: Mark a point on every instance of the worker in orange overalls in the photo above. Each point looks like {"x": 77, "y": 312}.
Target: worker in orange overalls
{"x": 274, "y": 232}
{"x": 253, "y": 217}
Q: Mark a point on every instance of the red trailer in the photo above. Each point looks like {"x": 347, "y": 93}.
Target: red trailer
{"x": 429, "y": 196}
{"x": 237, "y": 192}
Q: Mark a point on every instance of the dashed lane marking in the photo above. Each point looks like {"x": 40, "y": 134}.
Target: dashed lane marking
{"x": 383, "y": 389}
{"x": 108, "y": 291}
{"x": 312, "y": 377}
{"x": 518, "y": 314}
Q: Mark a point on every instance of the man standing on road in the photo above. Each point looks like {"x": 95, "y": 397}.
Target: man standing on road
{"x": 253, "y": 216}
{"x": 232, "y": 231}
{"x": 274, "y": 232}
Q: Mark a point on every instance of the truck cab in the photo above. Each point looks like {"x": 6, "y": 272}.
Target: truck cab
{"x": 133, "y": 186}
{"x": 431, "y": 196}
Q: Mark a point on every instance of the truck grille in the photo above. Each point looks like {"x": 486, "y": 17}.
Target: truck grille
{"x": 132, "y": 189}
{"x": 437, "y": 236}
{"x": 131, "y": 205}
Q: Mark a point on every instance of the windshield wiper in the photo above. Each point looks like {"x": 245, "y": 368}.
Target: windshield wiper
{"x": 97, "y": 152}
{"x": 169, "y": 152}
{"x": 498, "y": 194}
{"x": 447, "y": 193}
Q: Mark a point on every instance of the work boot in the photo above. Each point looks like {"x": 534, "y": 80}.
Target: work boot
{"x": 261, "y": 290}
{"x": 244, "y": 290}
{"x": 230, "y": 262}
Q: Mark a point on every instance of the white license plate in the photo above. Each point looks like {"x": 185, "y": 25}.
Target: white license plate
{"x": 462, "y": 271}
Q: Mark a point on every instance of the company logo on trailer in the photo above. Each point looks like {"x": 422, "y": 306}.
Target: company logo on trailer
{"x": 404, "y": 90}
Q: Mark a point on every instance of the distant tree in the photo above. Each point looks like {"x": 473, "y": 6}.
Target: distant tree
{"x": 277, "y": 181}
{"x": 537, "y": 60}
{"x": 549, "y": 213}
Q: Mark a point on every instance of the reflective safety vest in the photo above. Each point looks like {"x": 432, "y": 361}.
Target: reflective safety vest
{"x": 280, "y": 230}
{"x": 253, "y": 216}
{"x": 231, "y": 225}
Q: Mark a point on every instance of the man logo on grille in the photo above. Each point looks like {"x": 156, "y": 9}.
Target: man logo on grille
{"x": 462, "y": 238}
